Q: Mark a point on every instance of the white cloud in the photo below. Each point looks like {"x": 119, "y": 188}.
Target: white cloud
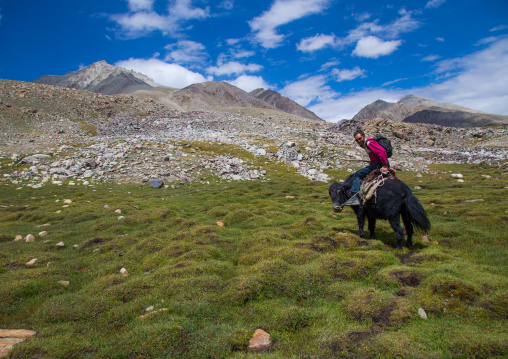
{"x": 171, "y": 75}
{"x": 240, "y": 54}
{"x": 140, "y": 5}
{"x": 318, "y": 42}
{"x": 140, "y": 23}
{"x": 365, "y": 35}
{"x": 183, "y": 10}
{"x": 478, "y": 81}
{"x": 329, "y": 64}
{"x": 431, "y": 58}
{"x": 233, "y": 68}
{"x": 373, "y": 47}
{"x": 347, "y": 75}
{"x": 186, "y": 51}
{"x": 143, "y": 20}
{"x": 440, "y": 39}
{"x": 487, "y": 40}
{"x": 405, "y": 23}
{"x": 499, "y": 28}
{"x": 433, "y": 4}
{"x": 309, "y": 90}
{"x": 227, "y": 4}
{"x": 282, "y": 12}
{"x": 250, "y": 83}
{"x": 232, "y": 42}
{"x": 361, "y": 16}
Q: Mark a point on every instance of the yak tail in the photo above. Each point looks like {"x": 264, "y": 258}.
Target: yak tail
{"x": 415, "y": 212}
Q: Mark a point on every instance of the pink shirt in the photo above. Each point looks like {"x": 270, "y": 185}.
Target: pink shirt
{"x": 377, "y": 154}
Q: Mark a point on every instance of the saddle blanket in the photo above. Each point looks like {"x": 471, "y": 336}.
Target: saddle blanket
{"x": 372, "y": 182}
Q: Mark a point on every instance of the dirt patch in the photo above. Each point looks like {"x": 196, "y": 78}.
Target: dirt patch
{"x": 383, "y": 318}
{"x": 405, "y": 258}
{"x": 402, "y": 292}
{"x": 359, "y": 336}
{"x": 12, "y": 265}
{"x": 345, "y": 346}
{"x": 94, "y": 242}
{"x": 407, "y": 278}
{"x": 320, "y": 244}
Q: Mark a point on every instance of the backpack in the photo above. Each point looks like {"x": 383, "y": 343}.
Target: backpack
{"x": 383, "y": 142}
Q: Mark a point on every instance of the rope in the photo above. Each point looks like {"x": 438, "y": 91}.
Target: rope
{"x": 380, "y": 179}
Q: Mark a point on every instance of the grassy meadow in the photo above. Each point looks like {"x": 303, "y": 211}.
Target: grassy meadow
{"x": 282, "y": 262}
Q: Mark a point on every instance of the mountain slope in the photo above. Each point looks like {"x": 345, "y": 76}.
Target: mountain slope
{"x": 100, "y": 77}
{"x": 215, "y": 95}
{"x": 283, "y": 103}
{"x": 422, "y": 110}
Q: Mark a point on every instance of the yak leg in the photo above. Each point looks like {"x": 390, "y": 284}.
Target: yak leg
{"x": 399, "y": 234}
{"x": 372, "y": 227}
{"x": 409, "y": 230}
{"x": 360, "y": 215}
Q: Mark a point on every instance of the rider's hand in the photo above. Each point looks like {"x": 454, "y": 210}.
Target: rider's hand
{"x": 384, "y": 169}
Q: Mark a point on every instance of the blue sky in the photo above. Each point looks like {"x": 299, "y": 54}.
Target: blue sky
{"x": 331, "y": 56}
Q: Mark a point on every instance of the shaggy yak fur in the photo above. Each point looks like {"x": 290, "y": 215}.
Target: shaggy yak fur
{"x": 393, "y": 199}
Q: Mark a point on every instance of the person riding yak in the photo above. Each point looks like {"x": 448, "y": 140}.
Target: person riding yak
{"x": 378, "y": 160}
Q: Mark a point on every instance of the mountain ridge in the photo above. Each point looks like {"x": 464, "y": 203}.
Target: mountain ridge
{"x": 418, "y": 109}
{"x": 101, "y": 77}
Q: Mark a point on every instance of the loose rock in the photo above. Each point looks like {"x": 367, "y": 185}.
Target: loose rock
{"x": 260, "y": 341}
{"x": 31, "y": 261}
{"x": 156, "y": 183}
{"x": 422, "y": 313}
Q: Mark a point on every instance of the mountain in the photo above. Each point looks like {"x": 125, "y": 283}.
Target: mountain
{"x": 283, "y": 103}
{"x": 101, "y": 77}
{"x": 215, "y": 95}
{"x": 417, "y": 109}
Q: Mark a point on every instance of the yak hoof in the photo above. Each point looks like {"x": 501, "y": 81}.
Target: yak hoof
{"x": 360, "y": 233}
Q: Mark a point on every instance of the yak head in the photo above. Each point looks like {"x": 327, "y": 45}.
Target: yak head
{"x": 338, "y": 195}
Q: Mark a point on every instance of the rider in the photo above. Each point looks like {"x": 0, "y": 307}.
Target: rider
{"x": 378, "y": 159}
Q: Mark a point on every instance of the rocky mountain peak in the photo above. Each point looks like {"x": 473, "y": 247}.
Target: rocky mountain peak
{"x": 283, "y": 103}
{"x": 412, "y": 100}
{"x": 101, "y": 77}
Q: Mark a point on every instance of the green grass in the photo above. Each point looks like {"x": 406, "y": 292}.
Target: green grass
{"x": 286, "y": 265}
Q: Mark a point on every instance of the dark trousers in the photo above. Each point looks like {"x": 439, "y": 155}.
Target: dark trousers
{"x": 361, "y": 174}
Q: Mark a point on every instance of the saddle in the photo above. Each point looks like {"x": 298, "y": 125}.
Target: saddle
{"x": 373, "y": 180}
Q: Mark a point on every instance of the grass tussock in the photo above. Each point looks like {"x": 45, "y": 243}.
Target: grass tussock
{"x": 213, "y": 263}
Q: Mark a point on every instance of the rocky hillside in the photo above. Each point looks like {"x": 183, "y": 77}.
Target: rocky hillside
{"x": 102, "y": 78}
{"x": 52, "y": 134}
{"x": 421, "y": 110}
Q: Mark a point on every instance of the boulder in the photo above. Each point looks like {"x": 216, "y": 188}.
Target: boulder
{"x": 156, "y": 183}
